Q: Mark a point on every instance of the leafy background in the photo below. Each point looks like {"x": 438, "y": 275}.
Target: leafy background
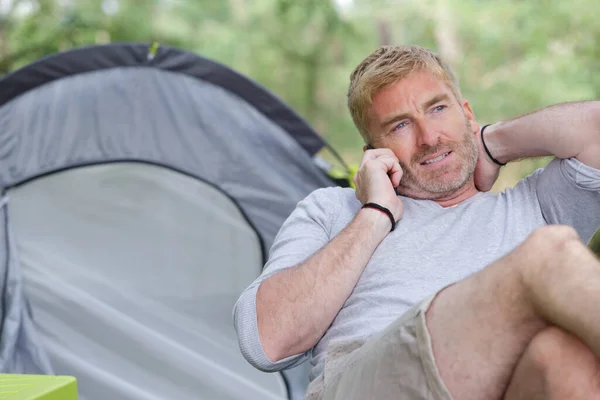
{"x": 511, "y": 56}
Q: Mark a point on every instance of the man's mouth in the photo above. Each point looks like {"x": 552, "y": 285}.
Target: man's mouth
{"x": 436, "y": 159}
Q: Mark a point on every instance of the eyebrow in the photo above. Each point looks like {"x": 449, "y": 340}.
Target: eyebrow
{"x": 436, "y": 99}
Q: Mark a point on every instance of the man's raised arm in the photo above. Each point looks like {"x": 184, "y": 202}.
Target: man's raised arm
{"x": 296, "y": 306}
{"x": 568, "y": 130}
{"x": 568, "y": 188}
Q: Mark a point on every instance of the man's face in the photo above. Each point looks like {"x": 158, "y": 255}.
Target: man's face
{"x": 431, "y": 133}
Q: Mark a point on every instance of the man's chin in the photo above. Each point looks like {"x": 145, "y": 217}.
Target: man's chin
{"x": 431, "y": 192}
{"x": 438, "y": 185}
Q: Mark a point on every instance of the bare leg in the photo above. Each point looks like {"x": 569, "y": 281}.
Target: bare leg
{"x": 481, "y": 326}
{"x": 555, "y": 366}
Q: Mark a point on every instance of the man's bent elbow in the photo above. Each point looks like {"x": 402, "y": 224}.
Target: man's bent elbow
{"x": 275, "y": 343}
{"x": 249, "y": 338}
{"x": 255, "y": 352}
{"x": 268, "y": 357}
{"x": 271, "y": 329}
{"x": 273, "y": 352}
{"x": 281, "y": 334}
{"x": 277, "y": 348}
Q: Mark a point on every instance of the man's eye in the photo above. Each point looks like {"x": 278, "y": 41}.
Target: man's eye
{"x": 439, "y": 108}
{"x": 400, "y": 126}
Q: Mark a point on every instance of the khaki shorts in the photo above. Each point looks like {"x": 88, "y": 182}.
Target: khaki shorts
{"x": 397, "y": 363}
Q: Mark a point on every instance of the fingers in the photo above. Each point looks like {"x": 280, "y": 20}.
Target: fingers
{"x": 396, "y": 174}
{"x": 392, "y": 168}
{"x": 377, "y": 178}
{"x": 382, "y": 158}
{"x": 385, "y": 155}
{"x": 376, "y": 153}
{"x": 389, "y": 163}
{"x": 386, "y": 163}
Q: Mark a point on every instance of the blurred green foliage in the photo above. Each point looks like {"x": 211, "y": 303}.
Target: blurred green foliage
{"x": 511, "y": 56}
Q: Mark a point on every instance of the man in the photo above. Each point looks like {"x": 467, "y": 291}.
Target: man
{"x": 423, "y": 285}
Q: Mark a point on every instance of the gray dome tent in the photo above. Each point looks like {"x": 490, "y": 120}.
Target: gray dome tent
{"x": 141, "y": 190}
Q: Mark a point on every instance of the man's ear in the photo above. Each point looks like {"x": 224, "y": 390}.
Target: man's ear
{"x": 470, "y": 115}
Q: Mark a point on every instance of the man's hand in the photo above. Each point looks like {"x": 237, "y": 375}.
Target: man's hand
{"x": 377, "y": 178}
{"x": 568, "y": 130}
{"x": 296, "y": 307}
{"x": 486, "y": 171}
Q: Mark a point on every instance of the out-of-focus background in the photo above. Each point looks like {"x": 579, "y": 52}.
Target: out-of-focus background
{"x": 511, "y": 56}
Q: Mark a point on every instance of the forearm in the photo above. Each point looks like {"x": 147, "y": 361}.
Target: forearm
{"x": 564, "y": 130}
{"x": 296, "y": 306}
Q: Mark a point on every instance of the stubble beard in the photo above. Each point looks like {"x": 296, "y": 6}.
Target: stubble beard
{"x": 426, "y": 186}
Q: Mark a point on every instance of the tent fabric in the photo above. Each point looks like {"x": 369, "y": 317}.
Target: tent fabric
{"x": 157, "y": 115}
{"x": 143, "y": 195}
{"x": 138, "y": 320}
{"x": 20, "y": 347}
{"x": 94, "y": 58}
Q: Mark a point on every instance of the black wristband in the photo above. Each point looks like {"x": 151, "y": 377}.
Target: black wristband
{"x": 385, "y": 210}
{"x": 487, "y": 150}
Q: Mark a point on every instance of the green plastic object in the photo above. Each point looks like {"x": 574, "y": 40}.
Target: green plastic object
{"x": 37, "y": 387}
{"x": 594, "y": 243}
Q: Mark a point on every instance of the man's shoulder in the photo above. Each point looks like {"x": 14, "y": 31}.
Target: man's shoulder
{"x": 331, "y": 200}
{"x": 333, "y": 194}
{"x": 558, "y": 174}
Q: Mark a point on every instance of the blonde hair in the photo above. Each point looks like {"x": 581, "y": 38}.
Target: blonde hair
{"x": 387, "y": 65}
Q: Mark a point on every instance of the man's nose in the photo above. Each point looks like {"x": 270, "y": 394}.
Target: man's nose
{"x": 427, "y": 135}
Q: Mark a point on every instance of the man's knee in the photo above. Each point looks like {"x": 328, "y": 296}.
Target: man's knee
{"x": 549, "y": 247}
{"x": 552, "y": 347}
{"x": 555, "y": 365}
{"x": 551, "y": 238}
{"x": 564, "y": 361}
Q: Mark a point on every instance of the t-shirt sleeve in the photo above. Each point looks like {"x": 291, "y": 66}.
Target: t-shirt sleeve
{"x": 569, "y": 193}
{"x": 304, "y": 232}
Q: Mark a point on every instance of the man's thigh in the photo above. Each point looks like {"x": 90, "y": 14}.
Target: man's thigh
{"x": 481, "y": 325}
{"x": 478, "y": 328}
{"x": 397, "y": 363}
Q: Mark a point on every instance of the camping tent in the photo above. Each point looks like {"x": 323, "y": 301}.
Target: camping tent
{"x": 142, "y": 187}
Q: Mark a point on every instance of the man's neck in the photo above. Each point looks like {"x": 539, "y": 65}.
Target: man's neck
{"x": 448, "y": 199}
{"x": 457, "y": 197}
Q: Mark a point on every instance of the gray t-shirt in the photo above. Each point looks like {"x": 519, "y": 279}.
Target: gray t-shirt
{"x": 430, "y": 248}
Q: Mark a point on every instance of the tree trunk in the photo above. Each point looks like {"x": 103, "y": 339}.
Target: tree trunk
{"x": 239, "y": 12}
{"x": 384, "y": 31}
{"x": 446, "y": 35}
{"x": 312, "y": 80}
